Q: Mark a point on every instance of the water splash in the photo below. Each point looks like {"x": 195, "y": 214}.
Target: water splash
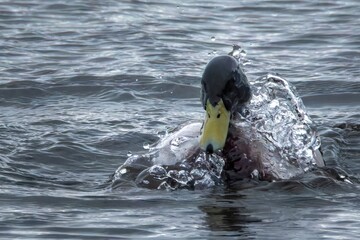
{"x": 235, "y": 51}
{"x": 274, "y": 121}
{"x": 279, "y": 117}
{"x": 162, "y": 133}
{"x": 175, "y": 162}
{"x": 146, "y": 146}
{"x": 240, "y": 54}
{"x": 198, "y": 173}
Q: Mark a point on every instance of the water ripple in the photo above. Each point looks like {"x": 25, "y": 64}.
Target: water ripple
{"x": 82, "y": 83}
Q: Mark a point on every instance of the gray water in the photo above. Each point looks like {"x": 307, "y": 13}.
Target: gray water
{"x": 84, "y": 84}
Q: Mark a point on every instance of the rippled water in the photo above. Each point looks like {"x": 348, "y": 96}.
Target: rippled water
{"x": 84, "y": 84}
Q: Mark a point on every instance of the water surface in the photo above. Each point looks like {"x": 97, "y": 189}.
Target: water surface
{"x": 83, "y": 84}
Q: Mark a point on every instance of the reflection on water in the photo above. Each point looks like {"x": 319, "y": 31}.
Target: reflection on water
{"x": 226, "y": 218}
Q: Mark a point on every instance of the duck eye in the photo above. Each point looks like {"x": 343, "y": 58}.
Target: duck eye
{"x": 218, "y": 116}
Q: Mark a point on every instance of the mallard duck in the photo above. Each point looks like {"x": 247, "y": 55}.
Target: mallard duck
{"x": 225, "y": 92}
{"x": 267, "y": 139}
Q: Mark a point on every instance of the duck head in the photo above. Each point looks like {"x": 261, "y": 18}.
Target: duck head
{"x": 224, "y": 88}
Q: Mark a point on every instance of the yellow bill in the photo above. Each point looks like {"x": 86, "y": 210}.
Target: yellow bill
{"x": 216, "y": 126}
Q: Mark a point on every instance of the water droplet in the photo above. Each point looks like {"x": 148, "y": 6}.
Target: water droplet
{"x": 158, "y": 172}
{"x": 274, "y": 103}
{"x": 146, "y": 146}
{"x": 243, "y": 53}
{"x": 136, "y": 80}
{"x": 178, "y": 141}
{"x": 236, "y": 51}
{"x": 129, "y": 154}
{"x": 145, "y": 181}
{"x": 348, "y": 181}
{"x": 162, "y": 134}
{"x": 255, "y": 174}
{"x": 123, "y": 171}
{"x": 236, "y": 54}
{"x": 213, "y": 38}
